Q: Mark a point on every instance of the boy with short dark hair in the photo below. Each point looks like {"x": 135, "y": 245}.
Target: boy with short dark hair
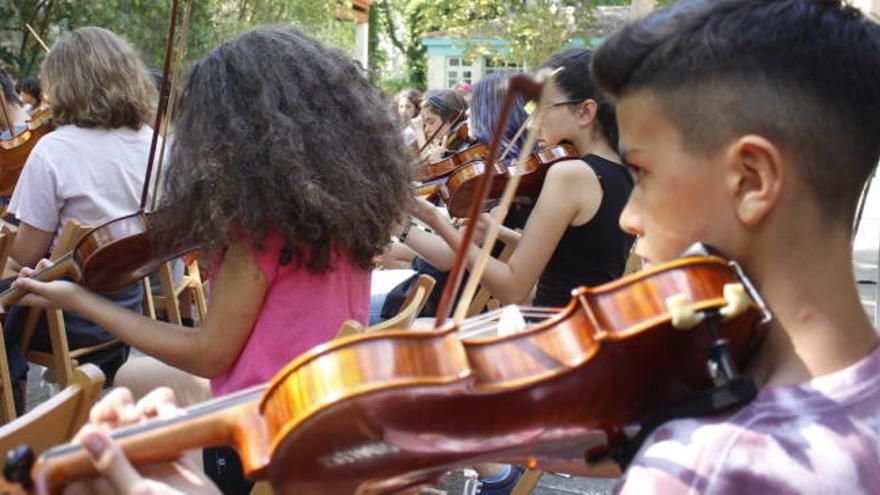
{"x": 752, "y": 125}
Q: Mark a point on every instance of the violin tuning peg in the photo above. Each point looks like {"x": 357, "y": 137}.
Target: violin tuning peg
{"x": 17, "y": 468}
{"x": 737, "y": 300}
{"x": 682, "y": 312}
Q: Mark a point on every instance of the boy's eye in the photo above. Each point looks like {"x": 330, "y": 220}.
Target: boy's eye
{"x": 635, "y": 172}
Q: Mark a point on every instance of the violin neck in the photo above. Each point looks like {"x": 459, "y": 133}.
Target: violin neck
{"x": 231, "y": 421}
{"x": 59, "y": 269}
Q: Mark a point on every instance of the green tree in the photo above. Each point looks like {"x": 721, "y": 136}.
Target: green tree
{"x": 144, "y": 23}
{"x": 533, "y": 29}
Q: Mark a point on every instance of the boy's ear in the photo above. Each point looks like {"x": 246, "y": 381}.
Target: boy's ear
{"x": 755, "y": 176}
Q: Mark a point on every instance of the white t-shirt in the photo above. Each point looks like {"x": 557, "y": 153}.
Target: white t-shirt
{"x": 91, "y": 175}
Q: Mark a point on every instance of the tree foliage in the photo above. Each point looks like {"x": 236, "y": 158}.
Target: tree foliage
{"x": 532, "y": 29}
{"x": 144, "y": 23}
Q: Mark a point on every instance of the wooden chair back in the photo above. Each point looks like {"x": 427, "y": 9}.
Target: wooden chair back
{"x": 170, "y": 290}
{"x": 7, "y": 239}
{"x": 59, "y": 418}
{"x": 409, "y": 310}
{"x": 483, "y": 300}
{"x": 7, "y": 403}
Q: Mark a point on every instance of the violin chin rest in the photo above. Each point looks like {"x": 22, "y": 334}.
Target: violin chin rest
{"x": 737, "y": 300}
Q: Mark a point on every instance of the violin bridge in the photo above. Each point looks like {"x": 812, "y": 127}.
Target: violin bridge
{"x": 737, "y": 300}
{"x": 682, "y": 312}
{"x": 511, "y": 321}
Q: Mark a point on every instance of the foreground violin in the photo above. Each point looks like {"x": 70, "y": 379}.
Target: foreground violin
{"x": 458, "y": 189}
{"x": 383, "y": 412}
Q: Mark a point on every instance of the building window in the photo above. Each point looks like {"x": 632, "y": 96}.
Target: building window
{"x": 498, "y": 65}
{"x": 458, "y": 71}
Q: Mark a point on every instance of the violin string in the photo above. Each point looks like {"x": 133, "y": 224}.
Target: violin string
{"x": 477, "y": 325}
{"x": 470, "y": 289}
{"x": 175, "y": 79}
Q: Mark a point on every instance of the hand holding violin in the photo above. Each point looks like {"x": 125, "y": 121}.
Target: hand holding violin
{"x": 119, "y": 476}
{"x": 60, "y": 294}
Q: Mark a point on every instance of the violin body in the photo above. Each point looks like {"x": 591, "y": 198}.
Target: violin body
{"x": 14, "y": 151}
{"x": 109, "y": 257}
{"x": 382, "y": 413}
{"x": 458, "y": 136}
{"x": 448, "y": 165}
{"x": 458, "y": 191}
{"x": 119, "y": 253}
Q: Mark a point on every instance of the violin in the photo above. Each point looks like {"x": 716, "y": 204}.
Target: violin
{"x": 123, "y": 250}
{"x": 458, "y": 190}
{"x": 458, "y": 136}
{"x": 109, "y": 257}
{"x": 14, "y": 151}
{"x": 382, "y": 412}
{"x": 449, "y": 164}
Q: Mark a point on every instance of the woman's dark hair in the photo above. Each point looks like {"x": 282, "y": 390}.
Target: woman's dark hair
{"x": 275, "y": 132}
{"x": 574, "y": 80}
{"x": 31, "y": 86}
{"x": 8, "y": 88}
{"x": 486, "y": 100}
{"x": 413, "y": 96}
{"x": 446, "y": 103}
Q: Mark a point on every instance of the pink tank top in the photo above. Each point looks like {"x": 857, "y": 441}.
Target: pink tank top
{"x": 300, "y": 310}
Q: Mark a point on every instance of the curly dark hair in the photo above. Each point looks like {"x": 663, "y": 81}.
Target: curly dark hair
{"x": 275, "y": 132}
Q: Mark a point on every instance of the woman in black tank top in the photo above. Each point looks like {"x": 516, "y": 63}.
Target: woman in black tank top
{"x": 572, "y": 237}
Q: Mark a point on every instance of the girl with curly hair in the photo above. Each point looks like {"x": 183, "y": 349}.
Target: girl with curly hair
{"x": 288, "y": 171}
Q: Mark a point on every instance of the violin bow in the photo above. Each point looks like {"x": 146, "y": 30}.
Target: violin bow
{"x": 517, "y": 84}
{"x": 501, "y": 211}
{"x": 163, "y": 88}
{"x": 175, "y": 79}
{"x": 37, "y": 37}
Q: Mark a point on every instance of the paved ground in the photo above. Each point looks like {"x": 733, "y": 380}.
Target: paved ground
{"x": 866, "y": 267}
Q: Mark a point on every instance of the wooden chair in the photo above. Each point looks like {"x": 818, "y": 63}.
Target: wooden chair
{"x": 169, "y": 296}
{"x": 7, "y": 239}
{"x": 7, "y": 403}
{"x": 412, "y": 305}
{"x": 483, "y": 300}
{"x": 61, "y": 360}
{"x": 59, "y": 418}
